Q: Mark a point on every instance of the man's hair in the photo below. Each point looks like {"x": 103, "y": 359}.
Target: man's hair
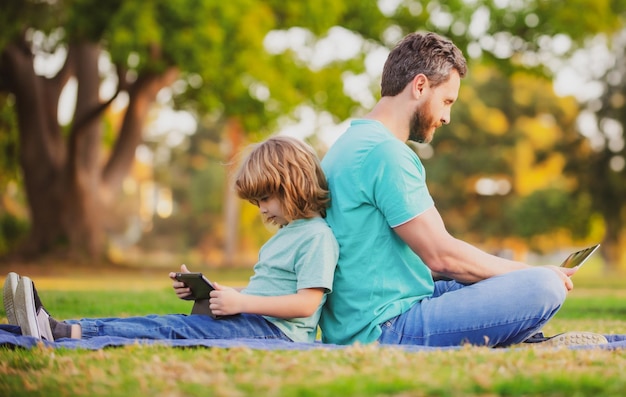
{"x": 425, "y": 53}
{"x": 286, "y": 168}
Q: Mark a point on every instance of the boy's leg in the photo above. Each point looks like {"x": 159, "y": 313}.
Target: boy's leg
{"x": 180, "y": 326}
{"x": 35, "y": 321}
{"x": 499, "y": 311}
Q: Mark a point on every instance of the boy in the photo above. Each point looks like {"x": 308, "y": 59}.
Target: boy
{"x": 284, "y": 297}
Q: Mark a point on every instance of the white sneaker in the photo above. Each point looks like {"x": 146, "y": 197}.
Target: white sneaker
{"x": 8, "y": 296}
{"x": 29, "y": 312}
{"x": 24, "y": 305}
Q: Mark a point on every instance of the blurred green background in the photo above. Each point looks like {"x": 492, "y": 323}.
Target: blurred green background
{"x": 121, "y": 121}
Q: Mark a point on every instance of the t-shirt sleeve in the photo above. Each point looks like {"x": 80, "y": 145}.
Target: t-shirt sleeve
{"x": 315, "y": 265}
{"x": 398, "y": 182}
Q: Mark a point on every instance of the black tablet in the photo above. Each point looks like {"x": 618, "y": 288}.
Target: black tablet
{"x": 200, "y": 285}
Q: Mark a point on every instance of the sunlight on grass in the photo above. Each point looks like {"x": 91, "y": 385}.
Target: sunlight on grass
{"x": 128, "y": 281}
{"x": 351, "y": 371}
{"x": 102, "y": 283}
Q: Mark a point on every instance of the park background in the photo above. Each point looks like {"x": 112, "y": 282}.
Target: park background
{"x": 121, "y": 121}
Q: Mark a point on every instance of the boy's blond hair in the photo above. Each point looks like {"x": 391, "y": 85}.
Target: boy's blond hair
{"x": 288, "y": 169}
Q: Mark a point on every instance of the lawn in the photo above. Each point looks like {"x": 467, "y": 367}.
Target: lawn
{"x": 595, "y": 305}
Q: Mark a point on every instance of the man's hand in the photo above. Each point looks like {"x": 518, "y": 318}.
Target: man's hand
{"x": 565, "y": 273}
{"x": 180, "y": 288}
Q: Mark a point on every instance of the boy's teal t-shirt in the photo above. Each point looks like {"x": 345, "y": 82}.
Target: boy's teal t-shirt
{"x": 303, "y": 254}
{"x": 376, "y": 183}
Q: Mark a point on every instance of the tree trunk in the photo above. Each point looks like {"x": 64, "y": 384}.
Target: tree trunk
{"x": 61, "y": 181}
{"x": 234, "y": 136}
{"x": 67, "y": 188}
{"x": 611, "y": 248}
{"x": 40, "y": 168}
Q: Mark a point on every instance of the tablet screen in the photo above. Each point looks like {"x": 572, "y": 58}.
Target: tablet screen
{"x": 577, "y": 258}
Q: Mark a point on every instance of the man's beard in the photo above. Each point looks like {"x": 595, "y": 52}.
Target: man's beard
{"x": 420, "y": 126}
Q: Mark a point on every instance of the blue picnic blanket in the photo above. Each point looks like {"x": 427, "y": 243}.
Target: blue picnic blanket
{"x": 10, "y": 336}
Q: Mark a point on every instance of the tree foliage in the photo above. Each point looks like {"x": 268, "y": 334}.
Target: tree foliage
{"x": 492, "y": 162}
{"x": 541, "y": 151}
{"x": 597, "y": 158}
{"x": 212, "y": 59}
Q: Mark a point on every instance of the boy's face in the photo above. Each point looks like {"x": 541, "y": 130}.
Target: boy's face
{"x": 272, "y": 210}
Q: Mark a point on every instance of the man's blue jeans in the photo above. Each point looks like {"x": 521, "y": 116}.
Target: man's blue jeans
{"x": 498, "y": 311}
{"x": 180, "y": 326}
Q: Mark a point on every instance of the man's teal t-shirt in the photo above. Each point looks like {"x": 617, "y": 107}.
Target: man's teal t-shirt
{"x": 376, "y": 183}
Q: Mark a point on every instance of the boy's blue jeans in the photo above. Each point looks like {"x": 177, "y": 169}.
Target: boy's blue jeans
{"x": 180, "y": 326}
{"x": 498, "y": 311}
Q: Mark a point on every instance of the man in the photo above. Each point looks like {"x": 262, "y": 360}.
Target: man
{"x": 392, "y": 238}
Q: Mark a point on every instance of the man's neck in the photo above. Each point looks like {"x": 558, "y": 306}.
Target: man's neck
{"x": 388, "y": 112}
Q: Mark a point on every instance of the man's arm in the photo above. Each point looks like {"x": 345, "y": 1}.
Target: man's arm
{"x": 443, "y": 254}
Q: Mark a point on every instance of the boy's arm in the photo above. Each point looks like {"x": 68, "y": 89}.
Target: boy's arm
{"x": 227, "y": 301}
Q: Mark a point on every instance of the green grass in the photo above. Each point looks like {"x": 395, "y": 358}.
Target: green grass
{"x": 354, "y": 371}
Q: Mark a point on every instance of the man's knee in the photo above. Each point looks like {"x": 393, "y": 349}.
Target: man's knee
{"x": 547, "y": 285}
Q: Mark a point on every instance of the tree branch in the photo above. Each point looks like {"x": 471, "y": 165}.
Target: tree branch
{"x": 31, "y": 106}
{"x": 97, "y": 111}
{"x": 12, "y": 55}
{"x": 66, "y": 71}
{"x": 93, "y": 114}
{"x": 141, "y": 96}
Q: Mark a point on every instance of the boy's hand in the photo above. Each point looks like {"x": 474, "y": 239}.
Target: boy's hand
{"x": 226, "y": 301}
{"x": 180, "y": 288}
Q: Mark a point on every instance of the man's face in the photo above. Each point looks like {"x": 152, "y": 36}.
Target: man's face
{"x": 434, "y": 109}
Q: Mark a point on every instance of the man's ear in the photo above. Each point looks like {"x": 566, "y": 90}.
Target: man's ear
{"x": 418, "y": 84}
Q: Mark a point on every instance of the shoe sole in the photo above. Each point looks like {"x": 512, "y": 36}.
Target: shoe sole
{"x": 8, "y": 296}
{"x": 24, "y": 305}
{"x": 575, "y": 339}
